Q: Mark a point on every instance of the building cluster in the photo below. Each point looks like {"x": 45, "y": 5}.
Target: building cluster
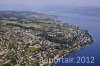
{"x": 24, "y": 47}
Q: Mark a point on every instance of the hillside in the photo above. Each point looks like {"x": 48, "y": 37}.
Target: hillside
{"x": 26, "y": 37}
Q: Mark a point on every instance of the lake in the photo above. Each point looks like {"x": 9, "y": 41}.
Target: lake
{"x": 86, "y": 18}
{"x": 90, "y": 23}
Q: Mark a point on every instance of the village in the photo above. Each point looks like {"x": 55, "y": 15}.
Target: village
{"x": 25, "y": 47}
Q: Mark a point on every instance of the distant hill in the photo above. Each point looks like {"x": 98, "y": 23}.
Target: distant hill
{"x": 89, "y": 11}
{"x": 25, "y": 16}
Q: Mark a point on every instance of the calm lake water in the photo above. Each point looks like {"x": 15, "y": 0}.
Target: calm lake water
{"x": 92, "y": 24}
{"x": 85, "y": 18}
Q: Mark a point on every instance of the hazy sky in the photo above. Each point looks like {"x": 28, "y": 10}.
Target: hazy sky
{"x": 51, "y": 2}
{"x": 35, "y": 3}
